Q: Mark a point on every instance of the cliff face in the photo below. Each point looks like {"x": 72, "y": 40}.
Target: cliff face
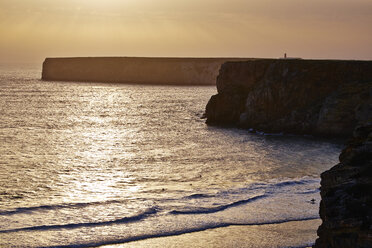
{"x": 311, "y": 97}
{"x": 321, "y": 97}
{"x": 183, "y": 71}
{"x": 346, "y": 190}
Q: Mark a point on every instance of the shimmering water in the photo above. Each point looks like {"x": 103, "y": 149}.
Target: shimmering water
{"x": 92, "y": 164}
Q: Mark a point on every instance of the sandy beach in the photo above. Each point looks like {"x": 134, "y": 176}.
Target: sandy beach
{"x": 289, "y": 234}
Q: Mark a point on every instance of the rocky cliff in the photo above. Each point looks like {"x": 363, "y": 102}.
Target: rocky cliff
{"x": 178, "y": 71}
{"x": 320, "y": 97}
{"x": 346, "y": 190}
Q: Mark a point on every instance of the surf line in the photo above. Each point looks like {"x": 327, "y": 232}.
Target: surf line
{"x": 134, "y": 218}
{"x": 175, "y": 233}
{"x": 217, "y": 209}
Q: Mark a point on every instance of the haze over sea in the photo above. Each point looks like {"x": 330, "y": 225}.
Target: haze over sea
{"x": 87, "y": 164}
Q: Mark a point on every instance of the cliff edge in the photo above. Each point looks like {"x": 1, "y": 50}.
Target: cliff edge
{"x": 346, "y": 190}
{"x": 319, "y": 97}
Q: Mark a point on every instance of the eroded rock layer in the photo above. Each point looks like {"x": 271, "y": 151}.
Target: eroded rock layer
{"x": 321, "y": 97}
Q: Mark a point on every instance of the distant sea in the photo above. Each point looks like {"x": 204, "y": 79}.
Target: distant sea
{"x": 88, "y": 164}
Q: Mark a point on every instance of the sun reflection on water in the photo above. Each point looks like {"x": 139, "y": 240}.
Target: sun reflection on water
{"x": 111, "y": 161}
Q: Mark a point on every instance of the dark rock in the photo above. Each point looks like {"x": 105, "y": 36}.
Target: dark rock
{"x": 346, "y": 190}
{"x": 135, "y": 70}
{"x": 224, "y": 109}
{"x": 320, "y": 97}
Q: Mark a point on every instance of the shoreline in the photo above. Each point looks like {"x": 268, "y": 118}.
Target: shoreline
{"x": 300, "y": 233}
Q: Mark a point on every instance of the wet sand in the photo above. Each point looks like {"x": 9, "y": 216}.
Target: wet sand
{"x": 289, "y": 234}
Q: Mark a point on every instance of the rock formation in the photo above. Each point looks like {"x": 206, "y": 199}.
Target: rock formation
{"x": 346, "y": 190}
{"x": 178, "y": 71}
{"x": 320, "y": 97}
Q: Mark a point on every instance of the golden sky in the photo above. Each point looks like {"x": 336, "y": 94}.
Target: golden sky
{"x": 31, "y": 30}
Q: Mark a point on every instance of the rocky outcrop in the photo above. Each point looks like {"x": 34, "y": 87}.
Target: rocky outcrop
{"x": 346, "y": 190}
{"x": 320, "y": 97}
{"x": 135, "y": 70}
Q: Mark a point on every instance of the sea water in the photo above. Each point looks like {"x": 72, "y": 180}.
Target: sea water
{"x": 87, "y": 164}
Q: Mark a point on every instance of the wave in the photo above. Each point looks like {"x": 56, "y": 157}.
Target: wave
{"x": 56, "y": 207}
{"x": 298, "y": 182}
{"x": 134, "y": 218}
{"x": 271, "y": 185}
{"x": 309, "y": 192}
{"x": 250, "y": 188}
{"x": 265, "y": 189}
{"x": 217, "y": 209}
{"x": 197, "y": 196}
{"x": 175, "y": 233}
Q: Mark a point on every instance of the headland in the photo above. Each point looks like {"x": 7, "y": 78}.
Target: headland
{"x": 135, "y": 70}
{"x": 316, "y": 97}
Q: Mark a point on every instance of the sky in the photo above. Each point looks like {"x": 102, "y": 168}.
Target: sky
{"x": 31, "y": 30}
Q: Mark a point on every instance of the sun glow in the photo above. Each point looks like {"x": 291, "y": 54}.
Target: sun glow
{"x": 102, "y": 4}
{"x": 33, "y": 30}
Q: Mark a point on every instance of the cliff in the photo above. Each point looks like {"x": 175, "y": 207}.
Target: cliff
{"x": 346, "y": 190}
{"x": 182, "y": 71}
{"x": 320, "y": 97}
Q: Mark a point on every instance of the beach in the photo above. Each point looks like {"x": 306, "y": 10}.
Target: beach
{"x": 289, "y": 234}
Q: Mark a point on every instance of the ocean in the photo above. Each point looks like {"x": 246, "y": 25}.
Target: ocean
{"x": 89, "y": 165}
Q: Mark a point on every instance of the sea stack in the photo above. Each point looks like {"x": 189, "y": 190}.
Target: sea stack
{"x": 319, "y": 97}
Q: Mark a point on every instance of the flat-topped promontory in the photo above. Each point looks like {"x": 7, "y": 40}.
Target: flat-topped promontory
{"x": 320, "y": 97}
{"x": 136, "y": 70}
